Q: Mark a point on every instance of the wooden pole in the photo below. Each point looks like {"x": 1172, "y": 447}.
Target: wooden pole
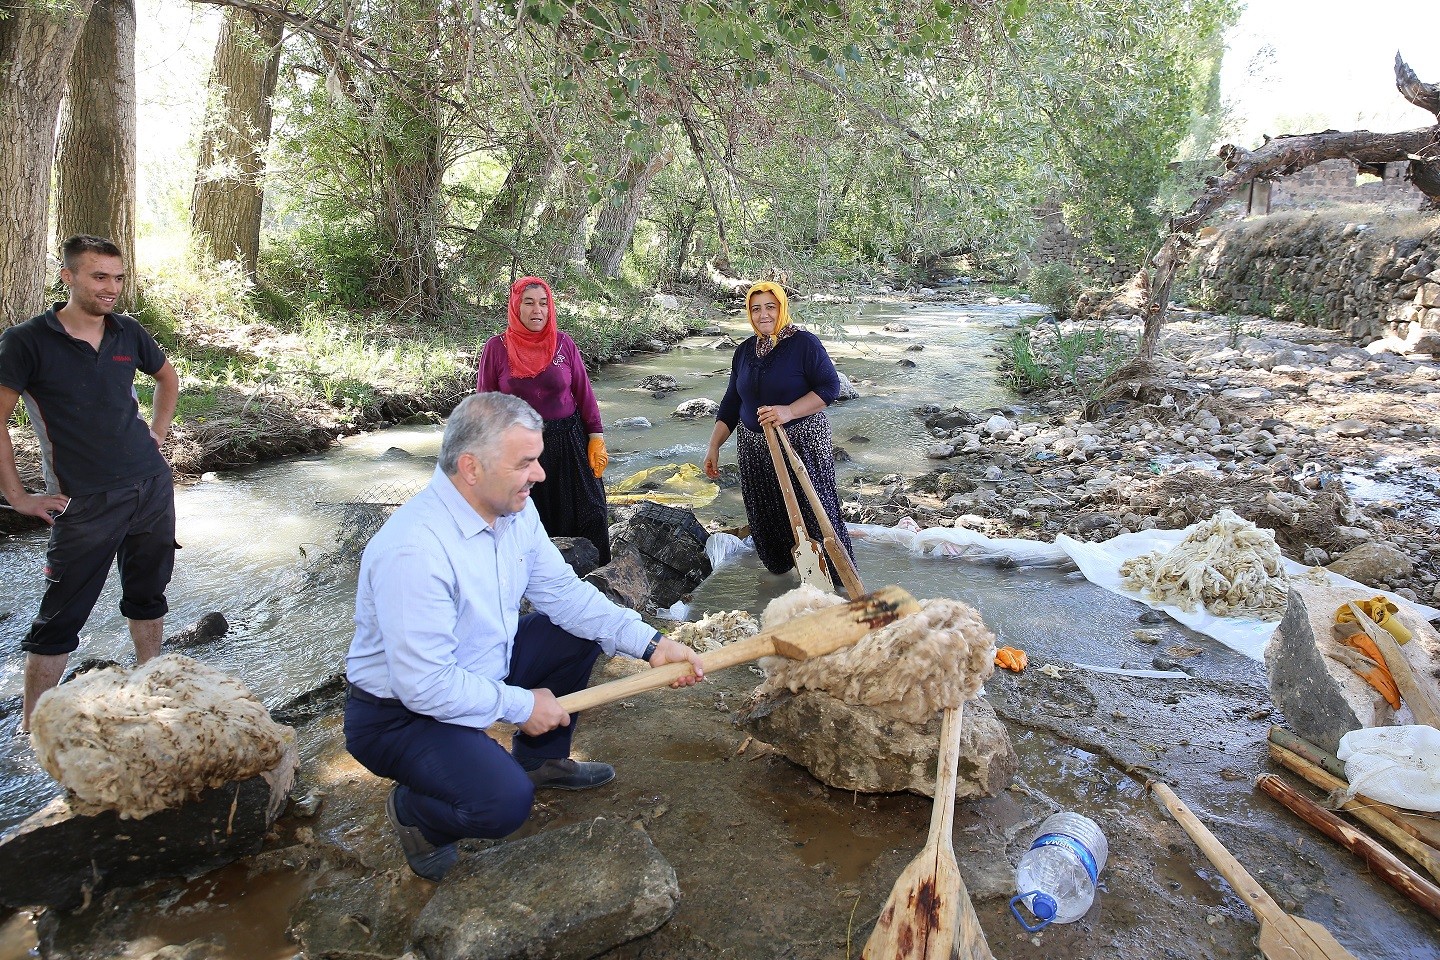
{"x": 1370, "y": 812}
{"x": 1424, "y": 826}
{"x": 1385, "y": 864}
{"x": 809, "y": 557}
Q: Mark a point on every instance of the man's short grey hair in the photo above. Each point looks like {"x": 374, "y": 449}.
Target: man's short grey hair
{"x": 478, "y": 422}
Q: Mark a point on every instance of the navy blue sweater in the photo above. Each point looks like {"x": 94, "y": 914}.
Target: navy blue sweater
{"x": 798, "y": 365}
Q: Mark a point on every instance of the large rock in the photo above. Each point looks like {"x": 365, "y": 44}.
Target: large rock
{"x": 566, "y": 894}
{"x": 1374, "y": 563}
{"x": 847, "y": 389}
{"x": 858, "y": 748}
{"x": 671, "y": 545}
{"x": 624, "y": 580}
{"x": 58, "y": 858}
{"x": 207, "y": 629}
{"x": 579, "y": 552}
{"x": 1322, "y": 698}
{"x": 699, "y": 408}
{"x": 358, "y": 918}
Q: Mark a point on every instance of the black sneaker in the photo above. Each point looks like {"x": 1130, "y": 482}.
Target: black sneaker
{"x": 570, "y": 774}
{"x": 425, "y": 859}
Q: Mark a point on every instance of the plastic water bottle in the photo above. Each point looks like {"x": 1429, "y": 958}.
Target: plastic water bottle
{"x": 1056, "y": 878}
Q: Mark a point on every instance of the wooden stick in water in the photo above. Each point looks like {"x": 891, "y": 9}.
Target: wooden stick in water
{"x": 1385, "y": 864}
{"x": 1367, "y": 811}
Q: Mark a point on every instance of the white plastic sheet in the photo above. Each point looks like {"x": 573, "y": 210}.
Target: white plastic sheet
{"x": 1100, "y": 563}
{"x": 961, "y": 544}
{"x": 722, "y": 547}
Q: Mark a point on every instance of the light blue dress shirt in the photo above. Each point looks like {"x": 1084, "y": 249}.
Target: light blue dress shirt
{"x": 439, "y": 602}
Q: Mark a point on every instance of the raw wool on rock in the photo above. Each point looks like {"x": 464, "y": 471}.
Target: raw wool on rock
{"x": 911, "y": 670}
{"x": 1227, "y": 564}
{"x": 145, "y": 739}
{"x": 715, "y": 630}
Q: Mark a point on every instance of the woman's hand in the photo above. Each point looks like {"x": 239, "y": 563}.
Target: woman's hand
{"x": 712, "y": 463}
{"x": 778, "y": 415}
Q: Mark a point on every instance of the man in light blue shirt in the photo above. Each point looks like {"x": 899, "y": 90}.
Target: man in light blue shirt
{"x": 441, "y": 651}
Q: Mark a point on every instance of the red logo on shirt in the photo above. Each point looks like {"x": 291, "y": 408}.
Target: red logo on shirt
{"x": 122, "y": 358}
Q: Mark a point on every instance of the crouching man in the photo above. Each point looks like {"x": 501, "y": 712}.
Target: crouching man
{"x": 441, "y": 651}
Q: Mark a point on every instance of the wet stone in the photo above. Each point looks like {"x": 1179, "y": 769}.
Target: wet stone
{"x": 858, "y": 748}
{"x": 568, "y": 894}
{"x": 358, "y": 918}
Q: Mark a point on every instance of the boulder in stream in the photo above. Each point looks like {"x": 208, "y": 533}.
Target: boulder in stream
{"x": 59, "y": 858}
{"x": 859, "y": 748}
{"x": 569, "y": 893}
{"x": 670, "y": 543}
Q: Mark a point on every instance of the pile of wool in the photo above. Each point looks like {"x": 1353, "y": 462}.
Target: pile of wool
{"x": 1227, "y": 564}
{"x": 715, "y": 630}
{"x": 911, "y": 669}
{"x": 145, "y": 739}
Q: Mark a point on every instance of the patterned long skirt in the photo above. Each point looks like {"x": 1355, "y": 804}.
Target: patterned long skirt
{"x": 765, "y": 505}
{"x": 571, "y": 499}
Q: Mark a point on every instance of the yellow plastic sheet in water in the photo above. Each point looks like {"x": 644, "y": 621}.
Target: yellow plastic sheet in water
{"x": 673, "y": 484}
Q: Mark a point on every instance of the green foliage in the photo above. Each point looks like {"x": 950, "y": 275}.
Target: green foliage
{"x": 1077, "y": 356}
{"x": 1056, "y": 285}
{"x": 320, "y": 265}
{"x": 183, "y": 290}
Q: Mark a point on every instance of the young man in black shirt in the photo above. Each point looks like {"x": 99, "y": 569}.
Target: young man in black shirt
{"x": 108, "y": 490}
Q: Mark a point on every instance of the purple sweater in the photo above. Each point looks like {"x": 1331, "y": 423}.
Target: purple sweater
{"x": 555, "y": 393}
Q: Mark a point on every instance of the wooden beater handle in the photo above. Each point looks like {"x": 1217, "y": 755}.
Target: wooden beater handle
{"x": 812, "y": 635}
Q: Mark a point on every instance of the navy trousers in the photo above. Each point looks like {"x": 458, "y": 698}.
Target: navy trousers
{"x": 461, "y": 782}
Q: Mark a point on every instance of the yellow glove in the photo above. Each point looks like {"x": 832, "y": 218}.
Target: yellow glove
{"x": 599, "y": 459}
{"x": 1383, "y": 612}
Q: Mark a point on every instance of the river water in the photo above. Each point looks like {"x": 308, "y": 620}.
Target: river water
{"x": 257, "y": 543}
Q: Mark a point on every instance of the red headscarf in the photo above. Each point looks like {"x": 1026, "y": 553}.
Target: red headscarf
{"x": 529, "y": 352}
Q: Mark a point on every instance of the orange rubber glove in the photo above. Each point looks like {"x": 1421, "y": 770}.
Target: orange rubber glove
{"x": 1012, "y": 658}
{"x": 599, "y": 459}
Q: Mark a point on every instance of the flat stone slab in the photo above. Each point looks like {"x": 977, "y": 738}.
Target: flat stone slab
{"x": 565, "y": 894}
{"x": 859, "y": 748}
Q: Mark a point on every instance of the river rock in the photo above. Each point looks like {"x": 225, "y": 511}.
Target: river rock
{"x": 358, "y": 918}
{"x": 1375, "y": 562}
{"x": 567, "y": 894}
{"x": 940, "y": 451}
{"x": 670, "y": 544}
{"x": 696, "y": 409}
{"x": 325, "y": 698}
{"x": 1321, "y": 698}
{"x": 580, "y": 553}
{"x": 207, "y": 629}
{"x": 859, "y": 748}
{"x": 631, "y": 423}
{"x": 847, "y": 389}
{"x": 998, "y": 426}
{"x": 58, "y": 858}
{"x": 659, "y": 383}
{"x": 623, "y": 580}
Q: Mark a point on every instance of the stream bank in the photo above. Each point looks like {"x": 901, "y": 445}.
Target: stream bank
{"x": 770, "y": 862}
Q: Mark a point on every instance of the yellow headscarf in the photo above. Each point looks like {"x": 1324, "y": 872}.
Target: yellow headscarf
{"x": 766, "y": 286}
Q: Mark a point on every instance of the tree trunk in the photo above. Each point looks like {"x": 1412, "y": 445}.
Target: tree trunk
{"x": 95, "y": 166}
{"x": 497, "y": 235}
{"x": 35, "y": 51}
{"x": 616, "y": 223}
{"x": 412, "y": 171}
{"x": 229, "y": 193}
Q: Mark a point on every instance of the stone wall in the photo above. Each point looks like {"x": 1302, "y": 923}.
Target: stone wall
{"x": 1370, "y": 279}
{"x": 1056, "y": 244}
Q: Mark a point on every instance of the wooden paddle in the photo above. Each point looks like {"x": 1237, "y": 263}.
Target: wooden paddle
{"x": 1282, "y": 937}
{"x": 809, "y": 557}
{"x": 837, "y": 554}
{"x": 812, "y": 635}
{"x": 928, "y": 915}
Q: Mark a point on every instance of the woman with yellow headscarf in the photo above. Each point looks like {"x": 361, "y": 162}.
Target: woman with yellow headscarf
{"x": 780, "y": 376}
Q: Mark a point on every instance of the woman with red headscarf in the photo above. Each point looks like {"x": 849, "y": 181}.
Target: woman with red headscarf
{"x": 539, "y": 363}
{"x": 780, "y": 376}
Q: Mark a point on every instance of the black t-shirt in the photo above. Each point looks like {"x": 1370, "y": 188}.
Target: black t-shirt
{"x": 82, "y": 401}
